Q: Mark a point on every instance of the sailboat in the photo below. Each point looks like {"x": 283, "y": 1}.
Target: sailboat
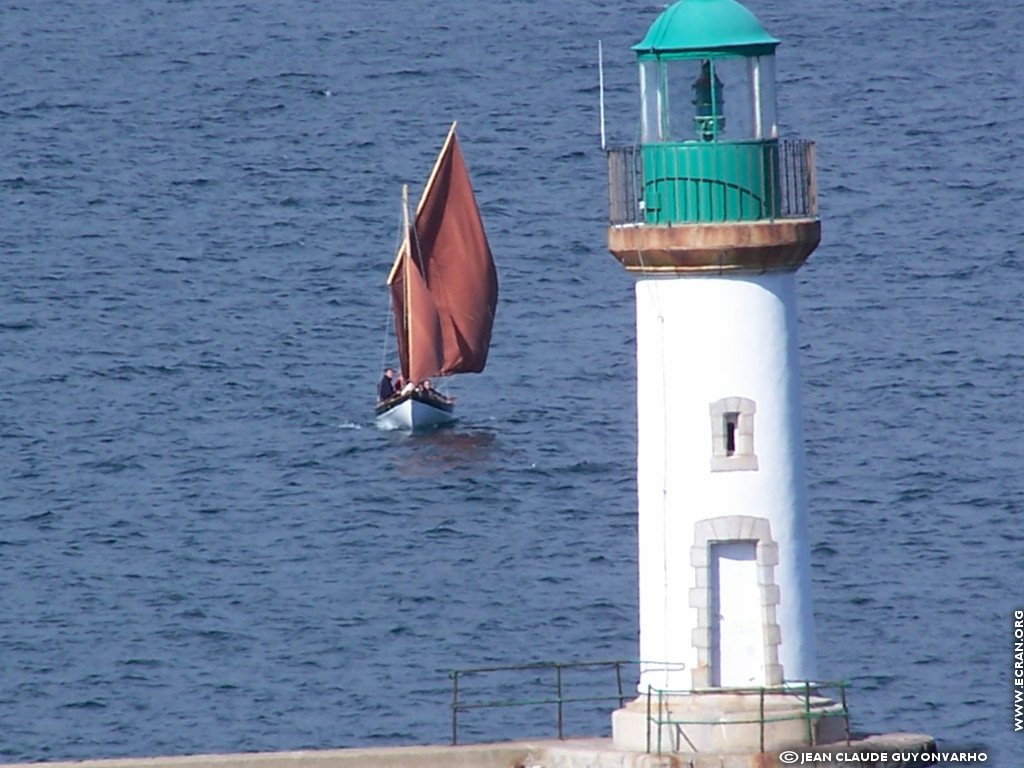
{"x": 444, "y": 290}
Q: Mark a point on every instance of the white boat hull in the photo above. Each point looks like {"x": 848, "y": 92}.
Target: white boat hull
{"x": 414, "y": 414}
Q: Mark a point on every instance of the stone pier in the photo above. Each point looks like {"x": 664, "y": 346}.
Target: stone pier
{"x": 568, "y": 753}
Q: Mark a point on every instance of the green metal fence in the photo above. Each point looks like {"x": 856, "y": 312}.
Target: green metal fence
{"x": 549, "y": 686}
{"x": 804, "y": 691}
{"x": 549, "y": 690}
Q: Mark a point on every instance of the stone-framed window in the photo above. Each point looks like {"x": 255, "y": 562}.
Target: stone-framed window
{"x": 732, "y": 434}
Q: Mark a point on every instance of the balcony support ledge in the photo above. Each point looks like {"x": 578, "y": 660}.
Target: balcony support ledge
{"x": 715, "y": 248}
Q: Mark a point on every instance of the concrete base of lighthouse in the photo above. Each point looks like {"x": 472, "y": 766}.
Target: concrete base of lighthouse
{"x": 723, "y": 722}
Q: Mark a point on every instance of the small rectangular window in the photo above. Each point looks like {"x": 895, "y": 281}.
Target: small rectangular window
{"x": 732, "y": 434}
{"x": 731, "y": 421}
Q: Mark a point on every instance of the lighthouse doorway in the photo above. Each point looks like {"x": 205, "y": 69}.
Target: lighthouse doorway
{"x": 737, "y": 633}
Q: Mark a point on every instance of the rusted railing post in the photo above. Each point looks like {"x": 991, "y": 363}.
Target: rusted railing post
{"x": 761, "y": 719}
{"x": 812, "y": 182}
{"x": 660, "y": 729}
{"x": 558, "y": 676}
{"x": 846, "y": 712}
{"x": 648, "y": 719}
{"x": 455, "y": 707}
{"x": 807, "y": 712}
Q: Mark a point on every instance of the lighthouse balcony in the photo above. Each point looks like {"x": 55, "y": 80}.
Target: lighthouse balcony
{"x": 697, "y": 206}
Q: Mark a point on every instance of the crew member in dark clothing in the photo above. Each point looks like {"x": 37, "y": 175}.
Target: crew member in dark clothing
{"x": 386, "y": 388}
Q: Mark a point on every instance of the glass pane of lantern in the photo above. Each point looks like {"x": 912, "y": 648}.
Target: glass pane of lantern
{"x": 708, "y": 100}
{"x": 739, "y": 97}
{"x": 764, "y": 66}
{"x": 682, "y": 106}
{"x": 650, "y": 98}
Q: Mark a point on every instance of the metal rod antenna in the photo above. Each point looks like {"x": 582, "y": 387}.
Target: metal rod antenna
{"x": 600, "y": 82}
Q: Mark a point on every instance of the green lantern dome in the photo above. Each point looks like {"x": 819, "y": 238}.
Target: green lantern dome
{"x": 690, "y": 27}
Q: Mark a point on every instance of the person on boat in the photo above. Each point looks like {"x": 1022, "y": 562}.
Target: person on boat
{"x": 428, "y": 389}
{"x": 386, "y": 387}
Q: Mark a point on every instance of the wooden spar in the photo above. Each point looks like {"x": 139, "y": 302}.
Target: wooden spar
{"x": 600, "y": 88}
{"x": 423, "y": 197}
{"x": 437, "y": 167}
{"x": 406, "y": 246}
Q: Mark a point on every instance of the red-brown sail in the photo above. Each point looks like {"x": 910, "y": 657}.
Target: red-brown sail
{"x": 454, "y": 260}
{"x": 417, "y": 326}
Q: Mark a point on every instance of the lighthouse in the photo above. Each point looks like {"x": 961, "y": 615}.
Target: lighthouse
{"x": 713, "y": 213}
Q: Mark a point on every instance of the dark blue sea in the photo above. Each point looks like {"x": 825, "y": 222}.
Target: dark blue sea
{"x": 206, "y": 546}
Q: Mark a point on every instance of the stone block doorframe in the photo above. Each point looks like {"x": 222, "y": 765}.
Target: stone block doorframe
{"x": 734, "y": 528}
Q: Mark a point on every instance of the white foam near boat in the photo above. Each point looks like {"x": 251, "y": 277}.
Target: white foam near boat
{"x": 414, "y": 412}
{"x": 444, "y": 291}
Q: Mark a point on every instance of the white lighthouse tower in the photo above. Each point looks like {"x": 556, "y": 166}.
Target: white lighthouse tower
{"x": 714, "y": 214}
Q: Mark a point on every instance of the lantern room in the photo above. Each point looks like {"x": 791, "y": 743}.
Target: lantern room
{"x": 707, "y": 73}
{"x": 708, "y": 128}
{"x": 709, "y": 185}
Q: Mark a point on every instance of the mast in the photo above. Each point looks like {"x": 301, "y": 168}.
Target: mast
{"x": 600, "y": 89}
{"x": 406, "y": 246}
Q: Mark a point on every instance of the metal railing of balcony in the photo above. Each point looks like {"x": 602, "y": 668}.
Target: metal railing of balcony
{"x": 798, "y": 180}
{"x": 698, "y": 183}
